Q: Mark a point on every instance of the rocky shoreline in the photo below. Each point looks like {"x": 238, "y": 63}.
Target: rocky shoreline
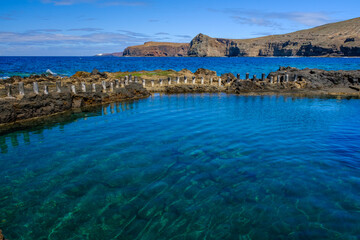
{"x": 25, "y": 99}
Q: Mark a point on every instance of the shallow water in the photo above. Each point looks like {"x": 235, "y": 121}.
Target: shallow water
{"x": 25, "y": 66}
{"x": 207, "y": 166}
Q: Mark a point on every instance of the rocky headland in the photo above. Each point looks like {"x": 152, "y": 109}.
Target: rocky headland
{"x": 335, "y": 39}
{"x": 28, "y": 98}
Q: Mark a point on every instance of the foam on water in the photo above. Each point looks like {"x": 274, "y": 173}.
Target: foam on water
{"x": 207, "y": 166}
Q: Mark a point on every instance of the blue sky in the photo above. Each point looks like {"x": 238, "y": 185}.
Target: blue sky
{"x": 89, "y": 27}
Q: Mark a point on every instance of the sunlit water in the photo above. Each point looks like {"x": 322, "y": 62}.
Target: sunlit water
{"x": 66, "y": 66}
{"x": 187, "y": 167}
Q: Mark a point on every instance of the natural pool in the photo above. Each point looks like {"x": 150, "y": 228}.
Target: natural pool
{"x": 206, "y": 166}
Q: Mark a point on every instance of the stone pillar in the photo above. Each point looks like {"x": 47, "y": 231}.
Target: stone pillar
{"x": 177, "y": 80}
{"x": 219, "y": 82}
{"x": 83, "y": 87}
{"x": 103, "y": 84}
{"x": 228, "y": 80}
{"x": 111, "y": 87}
{"x": 211, "y": 81}
{"x": 263, "y": 77}
{"x": 73, "y": 89}
{"x": 193, "y": 80}
{"x": 254, "y": 78}
{"x": 169, "y": 80}
{"x": 152, "y": 83}
{"x": 9, "y": 91}
{"x": 143, "y": 83}
{"x": 287, "y": 78}
{"x": 278, "y": 78}
{"x": 295, "y": 78}
{"x": 36, "y": 87}
{"x": 130, "y": 78}
{"x": 122, "y": 83}
{"x": 161, "y": 82}
{"x": 117, "y": 85}
{"x": 58, "y": 87}
{"x": 202, "y": 80}
{"x": 238, "y": 76}
{"x": 271, "y": 79}
{"x": 247, "y": 76}
{"x": 185, "y": 79}
{"x": 136, "y": 79}
{"x": 21, "y": 89}
{"x": 126, "y": 80}
{"x": 46, "y": 90}
{"x": 93, "y": 86}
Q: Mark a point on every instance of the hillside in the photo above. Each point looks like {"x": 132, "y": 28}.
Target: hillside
{"x": 158, "y": 49}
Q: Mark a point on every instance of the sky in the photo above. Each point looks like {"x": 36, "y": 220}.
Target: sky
{"x": 89, "y": 27}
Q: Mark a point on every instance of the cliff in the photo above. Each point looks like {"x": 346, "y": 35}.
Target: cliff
{"x": 158, "y": 49}
{"x": 336, "y": 39}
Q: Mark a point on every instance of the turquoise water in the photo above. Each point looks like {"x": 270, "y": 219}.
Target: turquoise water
{"x": 187, "y": 167}
{"x": 66, "y": 66}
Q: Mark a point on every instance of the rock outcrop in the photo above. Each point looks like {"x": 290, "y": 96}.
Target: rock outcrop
{"x": 158, "y": 49}
{"x": 336, "y": 39}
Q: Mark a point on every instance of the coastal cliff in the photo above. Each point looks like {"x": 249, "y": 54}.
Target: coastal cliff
{"x": 158, "y": 49}
{"x": 335, "y": 39}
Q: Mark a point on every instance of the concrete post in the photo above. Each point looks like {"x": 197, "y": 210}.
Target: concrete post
{"x": 143, "y": 83}
{"x": 254, "y": 78}
{"x": 73, "y": 89}
{"x": 193, "y": 80}
{"x": 36, "y": 87}
{"x": 169, "y": 80}
{"x": 247, "y": 76}
{"x": 111, "y": 87}
{"x": 93, "y": 86}
{"x": 46, "y": 90}
{"x": 161, "y": 82}
{"x": 263, "y": 77}
{"x": 117, "y": 85}
{"x": 185, "y": 79}
{"x": 83, "y": 87}
{"x": 152, "y": 83}
{"x": 177, "y": 80}
{"x": 287, "y": 78}
{"x": 103, "y": 84}
{"x": 219, "y": 82}
{"x": 136, "y": 79}
{"x": 21, "y": 89}
{"x": 211, "y": 81}
{"x": 130, "y": 78}
{"x": 58, "y": 87}
{"x": 271, "y": 79}
{"x": 238, "y": 76}
{"x": 126, "y": 80}
{"x": 9, "y": 92}
{"x": 202, "y": 80}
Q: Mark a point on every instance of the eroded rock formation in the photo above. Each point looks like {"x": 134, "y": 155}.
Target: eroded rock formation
{"x": 157, "y": 49}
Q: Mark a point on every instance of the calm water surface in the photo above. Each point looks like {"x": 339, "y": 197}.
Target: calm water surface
{"x": 187, "y": 167}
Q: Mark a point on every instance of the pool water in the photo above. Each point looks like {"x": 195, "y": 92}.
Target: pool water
{"x": 201, "y": 166}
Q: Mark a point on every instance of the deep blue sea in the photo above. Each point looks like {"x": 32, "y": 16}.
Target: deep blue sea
{"x": 66, "y": 66}
{"x": 201, "y": 166}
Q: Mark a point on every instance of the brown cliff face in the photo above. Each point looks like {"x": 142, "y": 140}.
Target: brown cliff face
{"x": 158, "y": 49}
{"x": 336, "y": 39}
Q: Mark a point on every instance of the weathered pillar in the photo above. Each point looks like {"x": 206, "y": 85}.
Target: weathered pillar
{"x": 152, "y": 83}
{"x": 103, "y": 84}
{"x": 211, "y": 81}
{"x": 219, "y": 82}
{"x": 117, "y": 85}
{"x": 295, "y": 78}
{"x": 177, "y": 80}
{"x": 122, "y": 83}
{"x": 278, "y": 78}
{"x": 202, "y": 80}
{"x": 58, "y": 86}
{"x": 93, "y": 86}
{"x": 193, "y": 80}
{"x": 9, "y": 91}
{"x": 136, "y": 79}
{"x": 143, "y": 83}
{"x": 169, "y": 80}
{"x": 247, "y": 76}
{"x": 73, "y": 89}
{"x": 83, "y": 87}
{"x": 286, "y": 77}
{"x": 126, "y": 80}
{"x": 46, "y": 90}
{"x": 228, "y": 80}
{"x": 111, "y": 87}
{"x": 238, "y": 76}
{"x": 263, "y": 77}
{"x": 130, "y": 78}
{"x": 36, "y": 87}
{"x": 271, "y": 79}
{"x": 161, "y": 82}
{"x": 185, "y": 79}
{"x": 254, "y": 78}
{"x": 21, "y": 89}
